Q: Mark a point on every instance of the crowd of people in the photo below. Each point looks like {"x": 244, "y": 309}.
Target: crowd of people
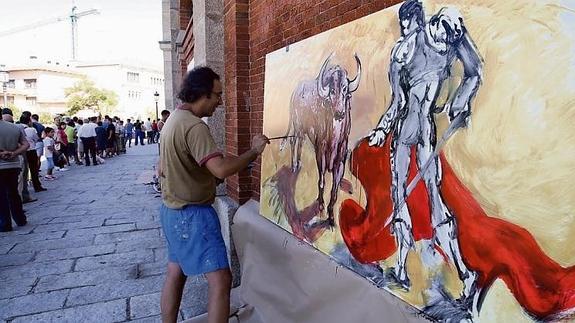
{"x": 28, "y": 147}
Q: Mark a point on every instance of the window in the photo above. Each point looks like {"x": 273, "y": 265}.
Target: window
{"x": 31, "y": 100}
{"x": 11, "y": 84}
{"x": 134, "y": 95}
{"x": 133, "y": 77}
{"x": 30, "y": 83}
{"x": 156, "y": 81}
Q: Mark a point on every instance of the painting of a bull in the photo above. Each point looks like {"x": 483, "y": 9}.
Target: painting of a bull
{"x": 321, "y": 109}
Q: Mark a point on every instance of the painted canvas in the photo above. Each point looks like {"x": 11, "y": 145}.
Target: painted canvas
{"x": 430, "y": 147}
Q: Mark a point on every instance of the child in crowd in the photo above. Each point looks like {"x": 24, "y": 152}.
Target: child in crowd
{"x": 49, "y": 152}
{"x": 62, "y": 145}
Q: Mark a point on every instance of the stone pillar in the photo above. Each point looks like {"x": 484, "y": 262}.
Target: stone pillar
{"x": 170, "y": 31}
{"x": 209, "y": 50}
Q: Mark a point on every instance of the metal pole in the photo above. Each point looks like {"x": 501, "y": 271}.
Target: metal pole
{"x": 156, "y": 125}
{"x": 4, "y": 89}
{"x": 74, "y": 22}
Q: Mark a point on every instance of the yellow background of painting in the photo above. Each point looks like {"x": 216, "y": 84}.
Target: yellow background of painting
{"x": 518, "y": 155}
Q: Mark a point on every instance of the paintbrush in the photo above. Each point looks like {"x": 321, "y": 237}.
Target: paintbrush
{"x": 281, "y": 137}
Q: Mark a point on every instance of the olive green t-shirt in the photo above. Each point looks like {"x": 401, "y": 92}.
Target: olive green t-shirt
{"x": 186, "y": 147}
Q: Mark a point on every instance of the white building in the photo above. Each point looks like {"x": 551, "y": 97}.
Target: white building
{"x": 39, "y": 89}
{"x": 135, "y": 87}
{"x": 38, "y": 86}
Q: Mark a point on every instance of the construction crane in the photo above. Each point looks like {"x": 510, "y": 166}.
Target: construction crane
{"x": 73, "y": 16}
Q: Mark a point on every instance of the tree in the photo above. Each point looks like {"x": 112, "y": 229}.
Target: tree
{"x": 85, "y": 95}
{"x": 16, "y": 111}
{"x": 46, "y": 118}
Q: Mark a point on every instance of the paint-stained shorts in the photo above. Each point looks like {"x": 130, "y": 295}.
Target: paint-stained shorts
{"x": 194, "y": 239}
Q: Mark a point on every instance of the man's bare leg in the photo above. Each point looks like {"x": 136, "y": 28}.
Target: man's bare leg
{"x": 443, "y": 222}
{"x": 172, "y": 293}
{"x": 219, "y": 286}
{"x": 401, "y": 217}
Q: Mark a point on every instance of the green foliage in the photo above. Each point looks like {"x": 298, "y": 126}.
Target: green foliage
{"x": 85, "y": 95}
{"x": 16, "y": 111}
{"x": 45, "y": 118}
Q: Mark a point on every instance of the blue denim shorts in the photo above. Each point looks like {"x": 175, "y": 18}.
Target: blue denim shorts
{"x": 50, "y": 162}
{"x": 194, "y": 239}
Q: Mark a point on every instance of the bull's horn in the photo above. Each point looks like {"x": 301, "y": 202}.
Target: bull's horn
{"x": 322, "y": 90}
{"x": 354, "y": 84}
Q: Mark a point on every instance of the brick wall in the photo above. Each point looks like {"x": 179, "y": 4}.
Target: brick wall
{"x": 236, "y": 55}
{"x": 186, "y": 24}
{"x": 254, "y": 28}
{"x": 185, "y": 13}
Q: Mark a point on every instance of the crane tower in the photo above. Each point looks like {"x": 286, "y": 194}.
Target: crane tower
{"x": 73, "y": 16}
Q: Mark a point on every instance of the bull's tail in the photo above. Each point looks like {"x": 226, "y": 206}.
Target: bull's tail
{"x": 284, "y": 142}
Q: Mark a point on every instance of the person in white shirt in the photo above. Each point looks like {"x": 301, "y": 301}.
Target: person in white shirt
{"x": 23, "y": 177}
{"x": 49, "y": 152}
{"x": 87, "y": 134}
{"x": 31, "y": 155}
{"x": 121, "y": 142}
{"x": 148, "y": 130}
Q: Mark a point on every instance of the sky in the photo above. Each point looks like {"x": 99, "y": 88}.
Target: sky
{"x": 125, "y": 30}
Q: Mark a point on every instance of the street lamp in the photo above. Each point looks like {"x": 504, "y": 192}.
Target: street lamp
{"x": 157, "y": 98}
{"x": 4, "y": 80}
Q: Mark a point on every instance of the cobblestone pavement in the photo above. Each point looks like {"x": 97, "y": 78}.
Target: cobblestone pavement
{"x": 93, "y": 249}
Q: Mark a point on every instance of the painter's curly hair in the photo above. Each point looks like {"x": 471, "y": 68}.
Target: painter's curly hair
{"x": 197, "y": 83}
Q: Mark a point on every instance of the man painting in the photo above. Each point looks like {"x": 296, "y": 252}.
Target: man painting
{"x": 192, "y": 166}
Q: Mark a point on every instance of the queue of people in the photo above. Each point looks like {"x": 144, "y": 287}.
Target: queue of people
{"x": 27, "y": 148}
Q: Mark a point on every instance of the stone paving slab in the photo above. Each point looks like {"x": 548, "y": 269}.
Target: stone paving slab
{"x": 114, "y": 260}
{"x": 145, "y": 306}
{"x": 87, "y": 278}
{"x": 15, "y": 288}
{"x": 118, "y": 221}
{"x": 151, "y": 319}
{"x": 148, "y": 243}
{"x": 126, "y": 236}
{"x": 161, "y": 254}
{"x": 68, "y": 219}
{"x": 31, "y": 237}
{"x": 75, "y": 252}
{"x": 92, "y": 250}
{"x": 62, "y": 243}
{"x": 113, "y": 311}
{"x": 151, "y": 269}
{"x": 33, "y": 303}
{"x": 101, "y": 229}
{"x": 6, "y": 247}
{"x": 115, "y": 290}
{"x": 66, "y": 226}
{"x": 36, "y": 269}
{"x": 15, "y": 259}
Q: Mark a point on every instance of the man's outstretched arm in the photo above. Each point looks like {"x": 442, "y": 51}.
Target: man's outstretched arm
{"x": 222, "y": 167}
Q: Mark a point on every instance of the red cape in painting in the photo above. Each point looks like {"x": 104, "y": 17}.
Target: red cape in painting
{"x": 493, "y": 248}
